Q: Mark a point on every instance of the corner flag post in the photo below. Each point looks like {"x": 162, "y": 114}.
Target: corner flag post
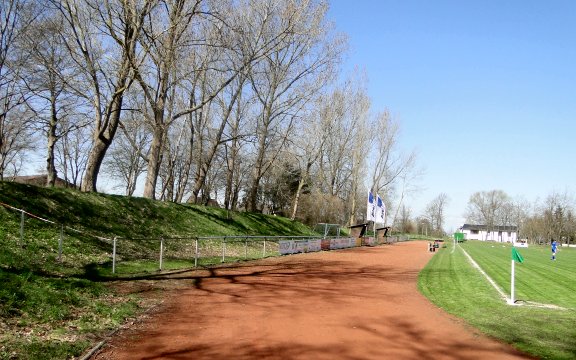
{"x": 515, "y": 257}
{"x": 512, "y": 284}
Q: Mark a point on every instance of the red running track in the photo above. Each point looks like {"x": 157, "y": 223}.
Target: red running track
{"x": 359, "y": 303}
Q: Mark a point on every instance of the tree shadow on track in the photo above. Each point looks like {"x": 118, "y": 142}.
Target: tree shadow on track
{"x": 300, "y": 278}
{"x": 300, "y": 307}
{"x": 407, "y": 342}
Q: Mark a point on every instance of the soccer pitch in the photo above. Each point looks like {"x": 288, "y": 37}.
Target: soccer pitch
{"x": 451, "y": 282}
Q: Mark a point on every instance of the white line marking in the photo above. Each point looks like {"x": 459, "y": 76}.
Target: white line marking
{"x": 503, "y": 295}
{"x": 492, "y": 282}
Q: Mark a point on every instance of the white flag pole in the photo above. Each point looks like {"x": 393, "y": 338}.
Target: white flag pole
{"x": 512, "y": 284}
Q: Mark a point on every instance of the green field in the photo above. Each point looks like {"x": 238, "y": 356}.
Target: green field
{"x": 450, "y": 281}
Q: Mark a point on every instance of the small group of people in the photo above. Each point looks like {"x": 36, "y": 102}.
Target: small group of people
{"x": 432, "y": 246}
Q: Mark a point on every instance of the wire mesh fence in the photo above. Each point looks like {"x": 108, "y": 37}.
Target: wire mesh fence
{"x": 174, "y": 252}
{"x": 115, "y": 255}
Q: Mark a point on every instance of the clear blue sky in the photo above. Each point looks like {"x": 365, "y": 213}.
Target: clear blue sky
{"x": 484, "y": 91}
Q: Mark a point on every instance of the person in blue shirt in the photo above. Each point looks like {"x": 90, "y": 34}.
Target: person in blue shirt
{"x": 554, "y": 247}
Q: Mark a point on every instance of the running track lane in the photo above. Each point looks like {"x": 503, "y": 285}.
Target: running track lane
{"x": 359, "y": 303}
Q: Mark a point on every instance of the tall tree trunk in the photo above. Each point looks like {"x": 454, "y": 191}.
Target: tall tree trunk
{"x": 102, "y": 138}
{"x": 297, "y": 198}
{"x": 183, "y": 182}
{"x": 51, "y": 173}
{"x": 231, "y": 161}
{"x": 230, "y": 171}
{"x": 216, "y": 141}
{"x": 95, "y": 158}
{"x": 252, "y": 204}
{"x": 2, "y": 119}
{"x": 154, "y": 162}
{"x": 301, "y": 184}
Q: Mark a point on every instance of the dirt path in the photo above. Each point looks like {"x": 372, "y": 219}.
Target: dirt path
{"x": 360, "y": 303}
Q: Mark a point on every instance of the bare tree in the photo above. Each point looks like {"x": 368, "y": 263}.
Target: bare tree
{"x": 555, "y": 211}
{"x": 177, "y": 161}
{"x": 308, "y": 143}
{"x": 71, "y": 154}
{"x": 389, "y": 165}
{"x": 15, "y": 121}
{"x": 125, "y": 161}
{"x": 223, "y": 109}
{"x": 216, "y": 47}
{"x": 338, "y": 130}
{"x": 17, "y": 140}
{"x": 360, "y": 117}
{"x": 236, "y": 170}
{"x": 102, "y": 39}
{"x": 168, "y": 29}
{"x": 552, "y": 218}
{"x": 408, "y": 185}
{"x": 485, "y": 207}
{"x": 46, "y": 78}
{"x": 434, "y": 212}
{"x": 423, "y": 226}
{"x": 404, "y": 221}
{"x": 329, "y": 149}
{"x": 287, "y": 78}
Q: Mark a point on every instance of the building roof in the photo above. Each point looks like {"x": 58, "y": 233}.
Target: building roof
{"x": 493, "y": 228}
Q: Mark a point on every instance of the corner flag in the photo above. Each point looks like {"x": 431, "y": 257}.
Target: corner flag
{"x": 516, "y": 255}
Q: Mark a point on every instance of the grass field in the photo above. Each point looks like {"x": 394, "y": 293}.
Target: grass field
{"x": 450, "y": 281}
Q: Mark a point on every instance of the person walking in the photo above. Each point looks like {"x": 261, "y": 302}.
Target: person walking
{"x": 554, "y": 248}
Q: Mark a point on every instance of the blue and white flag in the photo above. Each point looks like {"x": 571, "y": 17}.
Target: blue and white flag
{"x": 371, "y": 208}
{"x": 380, "y": 210}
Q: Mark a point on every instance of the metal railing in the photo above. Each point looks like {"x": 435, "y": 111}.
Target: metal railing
{"x": 204, "y": 250}
{"x": 192, "y": 251}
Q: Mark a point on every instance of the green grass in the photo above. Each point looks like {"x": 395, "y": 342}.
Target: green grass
{"x": 537, "y": 279}
{"x": 453, "y": 284}
{"x": 56, "y": 309}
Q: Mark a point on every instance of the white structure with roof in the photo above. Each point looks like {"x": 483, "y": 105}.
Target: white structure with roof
{"x": 496, "y": 233}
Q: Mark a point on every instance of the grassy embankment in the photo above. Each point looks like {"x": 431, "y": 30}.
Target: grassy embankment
{"x": 453, "y": 284}
{"x": 56, "y": 309}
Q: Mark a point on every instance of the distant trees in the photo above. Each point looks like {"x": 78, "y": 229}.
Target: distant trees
{"x": 539, "y": 223}
{"x": 551, "y": 219}
{"x": 434, "y": 213}
{"x": 488, "y": 208}
{"x": 404, "y": 222}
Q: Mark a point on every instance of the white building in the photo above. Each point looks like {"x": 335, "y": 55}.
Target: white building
{"x": 495, "y": 233}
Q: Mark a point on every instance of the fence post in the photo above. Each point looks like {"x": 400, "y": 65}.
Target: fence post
{"x": 21, "y": 227}
{"x": 161, "y": 251}
{"x": 196, "y": 254}
{"x": 246, "y": 248}
{"x": 60, "y": 241}
{"x": 224, "y": 249}
{"x": 114, "y": 256}
{"x": 264, "y": 254}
